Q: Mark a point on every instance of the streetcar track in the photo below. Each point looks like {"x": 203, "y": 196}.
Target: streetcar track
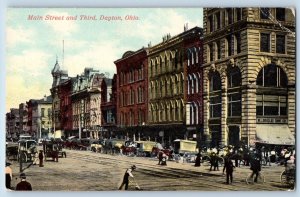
{"x": 188, "y": 176}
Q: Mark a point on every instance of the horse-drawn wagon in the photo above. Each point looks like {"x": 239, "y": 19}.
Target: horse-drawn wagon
{"x": 144, "y": 148}
{"x": 53, "y": 150}
{"x": 26, "y": 150}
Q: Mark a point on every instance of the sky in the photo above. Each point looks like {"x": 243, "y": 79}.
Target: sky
{"x": 32, "y": 46}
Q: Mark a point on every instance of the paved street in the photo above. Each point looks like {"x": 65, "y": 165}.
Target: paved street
{"x": 89, "y": 171}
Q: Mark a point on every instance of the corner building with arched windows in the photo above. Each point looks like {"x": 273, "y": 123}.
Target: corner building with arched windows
{"x": 249, "y": 76}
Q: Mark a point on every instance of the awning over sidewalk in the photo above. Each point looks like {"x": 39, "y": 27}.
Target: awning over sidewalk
{"x": 279, "y": 134}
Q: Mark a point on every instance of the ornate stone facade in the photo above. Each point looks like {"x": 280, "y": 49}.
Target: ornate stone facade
{"x": 249, "y": 73}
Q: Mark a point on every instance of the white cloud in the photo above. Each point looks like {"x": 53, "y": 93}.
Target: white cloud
{"x": 15, "y": 36}
{"x": 98, "y": 55}
{"x": 28, "y": 77}
{"x": 61, "y": 27}
{"x": 32, "y": 61}
{"x": 158, "y": 23}
{"x": 20, "y": 89}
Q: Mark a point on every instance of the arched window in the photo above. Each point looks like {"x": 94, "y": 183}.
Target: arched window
{"x": 192, "y": 58}
{"x": 189, "y": 57}
{"x": 271, "y": 103}
{"x": 166, "y": 63}
{"x": 215, "y": 82}
{"x": 271, "y": 76}
{"x": 168, "y": 112}
{"x": 193, "y": 84}
{"x": 182, "y": 83}
{"x": 192, "y": 112}
{"x": 199, "y": 83}
{"x": 176, "y": 111}
{"x": 195, "y": 51}
{"x": 162, "y": 64}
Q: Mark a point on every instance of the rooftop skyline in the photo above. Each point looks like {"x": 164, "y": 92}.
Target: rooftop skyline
{"x": 35, "y": 36}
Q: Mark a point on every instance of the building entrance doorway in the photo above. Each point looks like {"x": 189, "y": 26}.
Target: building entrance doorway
{"x": 234, "y": 136}
{"x": 215, "y": 136}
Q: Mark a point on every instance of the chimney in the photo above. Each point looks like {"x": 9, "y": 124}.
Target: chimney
{"x": 45, "y": 97}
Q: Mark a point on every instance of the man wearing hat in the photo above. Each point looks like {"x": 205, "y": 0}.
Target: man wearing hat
{"x": 8, "y": 175}
{"x": 23, "y": 185}
{"x": 126, "y": 177}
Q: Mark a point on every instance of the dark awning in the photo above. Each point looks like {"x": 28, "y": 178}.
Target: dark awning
{"x": 279, "y": 134}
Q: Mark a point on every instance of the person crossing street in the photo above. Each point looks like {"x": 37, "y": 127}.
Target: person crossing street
{"x": 127, "y": 174}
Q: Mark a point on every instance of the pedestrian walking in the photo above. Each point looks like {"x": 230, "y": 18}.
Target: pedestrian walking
{"x": 160, "y": 157}
{"x": 255, "y": 166}
{"x": 127, "y": 174}
{"x": 23, "y": 185}
{"x": 198, "y": 160}
{"x": 41, "y": 158}
{"x": 164, "y": 160}
{"x": 55, "y": 154}
{"x": 36, "y": 158}
{"x": 212, "y": 161}
{"x": 228, "y": 166}
{"x": 8, "y": 175}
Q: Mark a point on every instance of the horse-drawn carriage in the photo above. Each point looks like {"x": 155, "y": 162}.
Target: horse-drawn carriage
{"x": 113, "y": 145}
{"x": 12, "y": 150}
{"x": 144, "y": 148}
{"x": 53, "y": 149}
{"x": 26, "y": 150}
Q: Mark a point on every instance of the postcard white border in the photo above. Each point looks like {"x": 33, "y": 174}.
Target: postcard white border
{"x": 130, "y": 3}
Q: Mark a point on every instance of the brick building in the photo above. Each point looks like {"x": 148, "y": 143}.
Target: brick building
{"x": 64, "y": 92}
{"x": 59, "y": 76}
{"x": 167, "y": 76}
{"x": 12, "y": 123}
{"x": 132, "y": 86}
{"x": 108, "y": 107}
{"x": 249, "y": 76}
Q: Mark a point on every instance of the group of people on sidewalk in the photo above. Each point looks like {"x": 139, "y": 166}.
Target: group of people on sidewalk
{"x": 23, "y": 185}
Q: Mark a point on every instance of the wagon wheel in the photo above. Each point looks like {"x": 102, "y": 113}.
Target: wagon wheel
{"x": 221, "y": 161}
{"x": 205, "y": 158}
{"x": 23, "y": 157}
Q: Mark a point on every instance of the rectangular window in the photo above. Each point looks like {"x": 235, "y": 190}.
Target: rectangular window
{"x": 229, "y": 45}
{"x": 264, "y": 13}
{"x": 223, "y": 18}
{"x": 218, "y": 20}
{"x": 264, "y": 42}
{"x": 234, "y": 104}
{"x": 238, "y": 43}
{"x": 229, "y": 15}
{"x": 215, "y": 106}
{"x": 211, "y": 50}
{"x": 238, "y": 14}
{"x": 43, "y": 112}
{"x": 219, "y": 49}
{"x": 271, "y": 105}
{"x": 280, "y": 14}
{"x": 280, "y": 44}
{"x": 211, "y": 25}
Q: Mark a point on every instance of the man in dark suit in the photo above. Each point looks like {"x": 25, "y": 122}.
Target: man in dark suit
{"x": 23, "y": 185}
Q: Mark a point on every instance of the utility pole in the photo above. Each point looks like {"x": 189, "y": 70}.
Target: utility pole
{"x": 80, "y": 116}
